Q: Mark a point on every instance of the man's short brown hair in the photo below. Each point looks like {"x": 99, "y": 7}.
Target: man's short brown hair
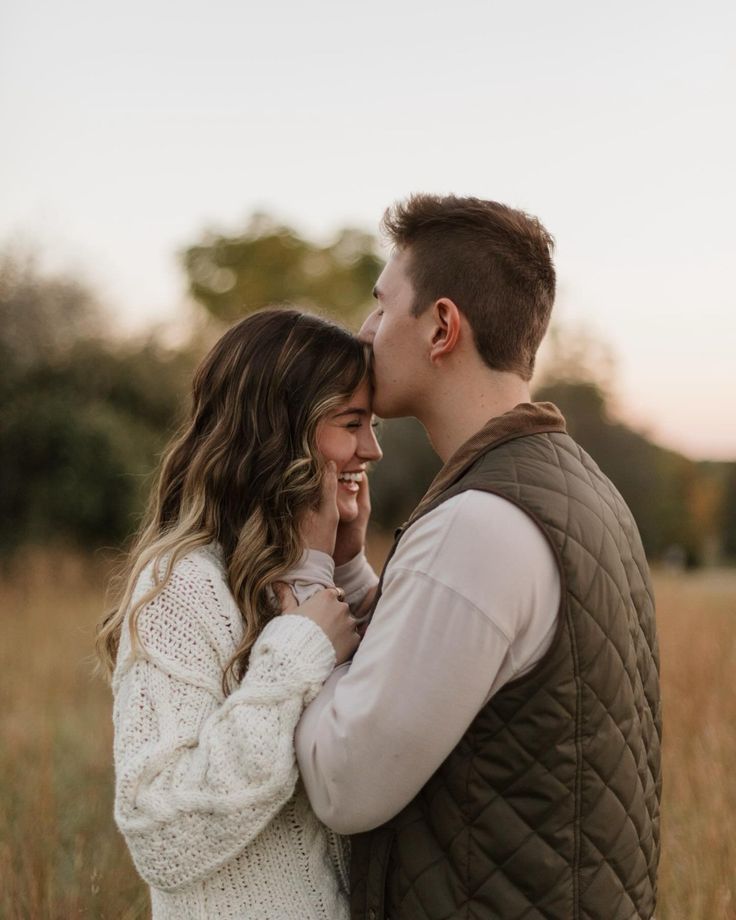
{"x": 494, "y": 262}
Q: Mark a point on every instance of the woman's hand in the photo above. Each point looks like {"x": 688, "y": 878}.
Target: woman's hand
{"x": 330, "y": 613}
{"x": 350, "y": 538}
{"x": 319, "y": 527}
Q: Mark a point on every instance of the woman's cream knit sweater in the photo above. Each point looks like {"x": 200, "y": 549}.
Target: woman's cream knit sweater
{"x": 207, "y": 791}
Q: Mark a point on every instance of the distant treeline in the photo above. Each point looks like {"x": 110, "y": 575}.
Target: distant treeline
{"x": 83, "y": 417}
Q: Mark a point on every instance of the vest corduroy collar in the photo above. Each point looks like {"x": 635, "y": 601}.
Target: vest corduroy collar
{"x": 524, "y": 419}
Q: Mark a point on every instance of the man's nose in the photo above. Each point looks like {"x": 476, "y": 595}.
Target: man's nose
{"x": 368, "y": 330}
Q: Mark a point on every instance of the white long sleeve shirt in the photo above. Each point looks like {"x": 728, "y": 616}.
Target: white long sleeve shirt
{"x": 470, "y": 601}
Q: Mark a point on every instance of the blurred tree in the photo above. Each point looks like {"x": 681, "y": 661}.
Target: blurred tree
{"x": 574, "y": 353}
{"x": 41, "y": 317}
{"x": 728, "y": 513}
{"x": 81, "y": 419}
{"x": 708, "y": 506}
{"x": 268, "y": 263}
{"x": 662, "y": 487}
{"x": 657, "y": 484}
{"x": 400, "y": 480}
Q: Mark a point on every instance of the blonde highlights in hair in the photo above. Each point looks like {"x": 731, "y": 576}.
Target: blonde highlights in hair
{"x": 244, "y": 468}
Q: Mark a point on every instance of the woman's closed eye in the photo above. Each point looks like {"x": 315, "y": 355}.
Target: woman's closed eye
{"x": 358, "y": 423}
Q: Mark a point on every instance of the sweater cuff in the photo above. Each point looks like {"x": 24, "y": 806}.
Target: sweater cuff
{"x": 295, "y": 646}
{"x": 314, "y": 571}
{"x": 356, "y": 578}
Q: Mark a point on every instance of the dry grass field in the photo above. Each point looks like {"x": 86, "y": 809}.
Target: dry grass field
{"x": 61, "y": 857}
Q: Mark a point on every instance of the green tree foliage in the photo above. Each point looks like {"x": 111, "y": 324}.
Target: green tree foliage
{"x": 268, "y": 263}
{"x": 81, "y": 419}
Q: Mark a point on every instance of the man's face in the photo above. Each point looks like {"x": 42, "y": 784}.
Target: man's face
{"x": 397, "y": 337}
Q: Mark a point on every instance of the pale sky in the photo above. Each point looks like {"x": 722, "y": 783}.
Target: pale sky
{"x": 128, "y": 129}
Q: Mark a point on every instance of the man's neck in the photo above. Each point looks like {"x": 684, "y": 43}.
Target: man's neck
{"x": 458, "y": 411}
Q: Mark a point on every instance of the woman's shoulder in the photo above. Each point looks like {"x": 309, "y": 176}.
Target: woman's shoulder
{"x": 192, "y": 620}
{"x": 198, "y": 580}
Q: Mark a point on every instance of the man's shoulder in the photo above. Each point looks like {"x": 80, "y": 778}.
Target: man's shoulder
{"x": 484, "y": 548}
{"x": 474, "y": 530}
{"x": 475, "y": 511}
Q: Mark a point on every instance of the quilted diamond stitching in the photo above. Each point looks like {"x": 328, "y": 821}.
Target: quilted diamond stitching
{"x": 629, "y": 584}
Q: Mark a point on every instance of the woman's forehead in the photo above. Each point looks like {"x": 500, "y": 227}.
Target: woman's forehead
{"x": 359, "y": 402}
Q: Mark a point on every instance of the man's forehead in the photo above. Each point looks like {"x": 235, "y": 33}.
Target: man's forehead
{"x": 393, "y": 275}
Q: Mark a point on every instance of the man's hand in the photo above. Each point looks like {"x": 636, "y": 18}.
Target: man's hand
{"x": 319, "y": 528}
{"x": 351, "y": 535}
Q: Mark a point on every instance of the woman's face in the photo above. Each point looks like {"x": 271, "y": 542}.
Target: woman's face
{"x": 347, "y": 437}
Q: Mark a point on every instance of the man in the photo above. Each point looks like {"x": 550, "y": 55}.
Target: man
{"x": 493, "y": 747}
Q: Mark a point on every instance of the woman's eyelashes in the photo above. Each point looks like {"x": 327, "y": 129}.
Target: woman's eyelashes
{"x": 358, "y": 423}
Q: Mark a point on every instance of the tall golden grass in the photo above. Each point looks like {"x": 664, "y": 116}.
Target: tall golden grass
{"x": 61, "y": 856}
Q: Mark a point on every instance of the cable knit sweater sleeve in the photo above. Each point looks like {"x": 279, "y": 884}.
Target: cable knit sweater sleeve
{"x": 199, "y": 776}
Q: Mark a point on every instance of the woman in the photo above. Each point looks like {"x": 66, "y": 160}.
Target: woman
{"x": 210, "y": 679}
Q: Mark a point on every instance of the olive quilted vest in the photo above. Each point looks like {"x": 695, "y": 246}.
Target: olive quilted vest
{"x": 549, "y": 805}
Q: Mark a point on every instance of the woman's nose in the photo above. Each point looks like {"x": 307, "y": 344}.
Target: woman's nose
{"x": 369, "y": 448}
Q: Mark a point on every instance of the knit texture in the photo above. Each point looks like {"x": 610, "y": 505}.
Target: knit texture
{"x": 207, "y": 790}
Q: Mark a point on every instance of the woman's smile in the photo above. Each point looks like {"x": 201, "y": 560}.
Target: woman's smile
{"x": 350, "y": 481}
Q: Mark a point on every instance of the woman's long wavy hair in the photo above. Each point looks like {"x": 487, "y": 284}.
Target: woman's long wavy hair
{"x": 244, "y": 468}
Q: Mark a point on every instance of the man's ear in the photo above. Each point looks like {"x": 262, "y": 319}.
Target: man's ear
{"x": 446, "y": 331}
